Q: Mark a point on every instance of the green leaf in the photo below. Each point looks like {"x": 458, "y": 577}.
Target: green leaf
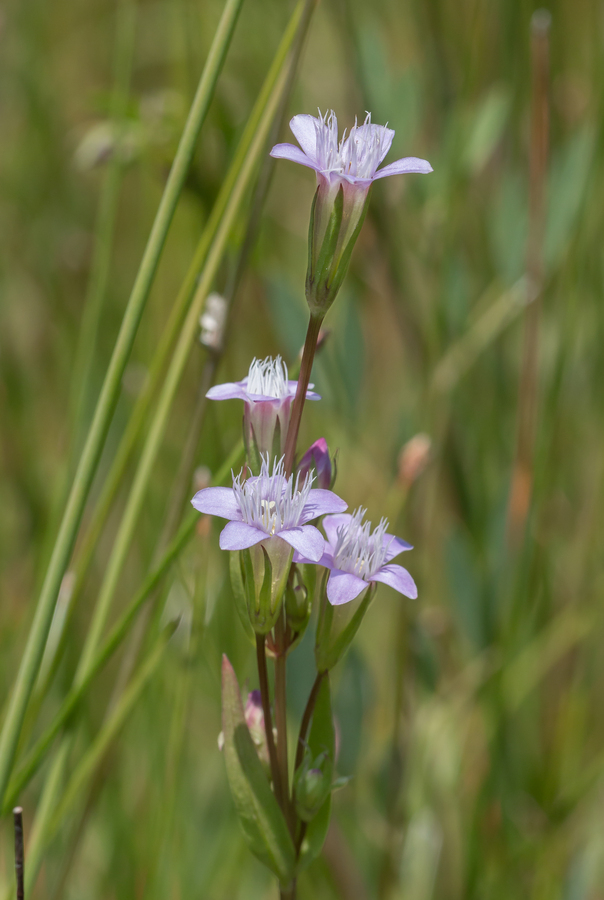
{"x": 315, "y": 836}
{"x": 262, "y": 821}
{"x": 239, "y": 594}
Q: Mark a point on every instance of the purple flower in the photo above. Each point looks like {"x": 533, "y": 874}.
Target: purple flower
{"x": 317, "y": 458}
{"x": 270, "y": 506}
{"x": 358, "y": 556}
{"x": 353, "y": 160}
{"x": 267, "y": 394}
{"x": 345, "y": 170}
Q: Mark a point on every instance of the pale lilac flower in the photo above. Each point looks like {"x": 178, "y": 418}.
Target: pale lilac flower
{"x": 358, "y": 556}
{"x": 353, "y": 160}
{"x": 345, "y": 170}
{"x": 267, "y": 394}
{"x": 270, "y": 506}
{"x": 317, "y": 458}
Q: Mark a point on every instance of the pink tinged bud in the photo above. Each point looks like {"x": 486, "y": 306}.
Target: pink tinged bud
{"x": 317, "y": 459}
{"x": 413, "y": 459}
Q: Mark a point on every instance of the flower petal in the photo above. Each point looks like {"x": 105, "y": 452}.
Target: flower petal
{"x": 292, "y": 387}
{"x": 398, "y": 578}
{"x": 331, "y": 525}
{"x": 307, "y": 540}
{"x": 304, "y": 129}
{"x": 321, "y": 502}
{"x": 405, "y": 166}
{"x": 231, "y": 390}
{"x": 294, "y": 154}
{"x": 368, "y": 132}
{"x": 326, "y": 560}
{"x": 217, "y": 501}
{"x": 240, "y": 536}
{"x": 342, "y": 587}
{"x": 395, "y": 545}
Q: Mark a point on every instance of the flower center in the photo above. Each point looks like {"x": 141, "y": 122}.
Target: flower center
{"x": 268, "y": 377}
{"x": 359, "y": 550}
{"x": 272, "y": 502}
{"x": 357, "y": 155}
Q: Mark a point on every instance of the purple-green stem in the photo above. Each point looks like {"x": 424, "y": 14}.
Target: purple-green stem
{"x": 281, "y": 719}
{"x": 308, "y": 355}
{"x": 268, "y": 719}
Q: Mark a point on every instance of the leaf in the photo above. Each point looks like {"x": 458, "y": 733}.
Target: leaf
{"x": 239, "y": 594}
{"x": 315, "y": 836}
{"x": 263, "y": 824}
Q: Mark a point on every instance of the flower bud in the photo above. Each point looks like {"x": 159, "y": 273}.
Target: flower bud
{"x": 413, "y": 459}
{"x": 297, "y": 603}
{"x": 254, "y": 718}
{"x": 312, "y": 784}
{"x": 317, "y": 458}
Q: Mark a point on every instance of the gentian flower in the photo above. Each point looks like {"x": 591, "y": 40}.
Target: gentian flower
{"x": 317, "y": 458}
{"x": 267, "y": 394}
{"x": 269, "y": 507}
{"x": 357, "y": 557}
{"x": 345, "y": 170}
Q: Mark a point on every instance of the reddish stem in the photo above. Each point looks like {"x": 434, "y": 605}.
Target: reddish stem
{"x": 308, "y": 355}
{"x": 268, "y": 721}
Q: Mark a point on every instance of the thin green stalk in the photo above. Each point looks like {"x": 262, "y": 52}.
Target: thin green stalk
{"x": 117, "y": 634}
{"x": 91, "y": 453}
{"x": 96, "y": 752}
{"x": 105, "y": 224}
{"x": 263, "y": 115}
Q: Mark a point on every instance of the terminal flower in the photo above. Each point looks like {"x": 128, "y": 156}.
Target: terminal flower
{"x": 345, "y": 170}
{"x": 358, "y": 556}
{"x": 267, "y": 394}
{"x": 270, "y": 506}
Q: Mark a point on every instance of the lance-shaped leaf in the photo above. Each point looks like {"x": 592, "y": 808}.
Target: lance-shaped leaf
{"x": 321, "y": 740}
{"x": 263, "y": 823}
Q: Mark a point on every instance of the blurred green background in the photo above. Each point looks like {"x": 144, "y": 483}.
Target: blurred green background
{"x": 470, "y": 720}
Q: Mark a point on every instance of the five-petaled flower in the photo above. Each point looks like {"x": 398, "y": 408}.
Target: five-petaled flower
{"x": 267, "y": 394}
{"x": 345, "y": 171}
{"x": 357, "y": 556}
{"x": 270, "y": 506}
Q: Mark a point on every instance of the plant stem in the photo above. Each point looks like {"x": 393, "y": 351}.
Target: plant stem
{"x": 268, "y": 719}
{"x": 18, "y": 819}
{"x": 308, "y": 355}
{"x": 522, "y": 475}
{"x": 110, "y": 391}
{"x": 281, "y": 719}
{"x": 310, "y": 706}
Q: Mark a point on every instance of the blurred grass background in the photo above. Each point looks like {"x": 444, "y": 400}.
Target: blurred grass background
{"x": 471, "y": 721}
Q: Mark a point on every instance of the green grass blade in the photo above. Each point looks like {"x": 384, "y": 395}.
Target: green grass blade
{"x": 34, "y": 649}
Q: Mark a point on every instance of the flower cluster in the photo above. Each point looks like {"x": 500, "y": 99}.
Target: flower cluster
{"x": 292, "y": 544}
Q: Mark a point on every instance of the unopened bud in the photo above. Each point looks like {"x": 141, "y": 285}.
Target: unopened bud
{"x": 254, "y": 719}
{"x": 212, "y": 321}
{"x": 312, "y": 784}
{"x": 317, "y": 458}
{"x": 414, "y": 458}
{"x": 297, "y": 605}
